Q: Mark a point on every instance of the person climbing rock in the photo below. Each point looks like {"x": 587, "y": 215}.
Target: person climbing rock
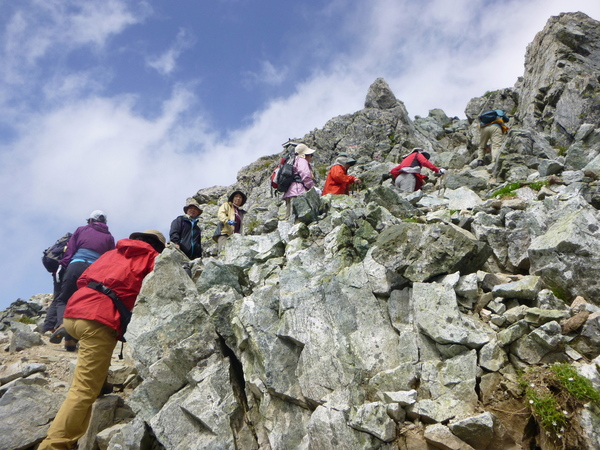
{"x": 305, "y": 179}
{"x": 492, "y": 127}
{"x": 86, "y": 245}
{"x": 338, "y": 181}
{"x": 407, "y": 175}
{"x": 95, "y": 316}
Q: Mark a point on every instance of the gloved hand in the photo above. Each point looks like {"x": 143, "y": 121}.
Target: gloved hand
{"x": 442, "y": 171}
{"x": 231, "y": 222}
{"x": 319, "y": 191}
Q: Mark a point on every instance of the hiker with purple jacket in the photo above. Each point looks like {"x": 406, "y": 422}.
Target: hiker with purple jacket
{"x": 85, "y": 246}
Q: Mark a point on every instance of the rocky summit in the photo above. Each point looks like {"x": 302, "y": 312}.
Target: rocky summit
{"x": 462, "y": 316}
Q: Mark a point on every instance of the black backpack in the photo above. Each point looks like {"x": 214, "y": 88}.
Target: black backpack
{"x": 285, "y": 174}
{"x": 52, "y": 255}
{"x": 489, "y": 116}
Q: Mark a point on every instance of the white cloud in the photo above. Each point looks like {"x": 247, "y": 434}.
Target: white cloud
{"x": 269, "y": 75}
{"x": 165, "y": 63}
{"x": 40, "y": 26}
{"x": 74, "y": 85}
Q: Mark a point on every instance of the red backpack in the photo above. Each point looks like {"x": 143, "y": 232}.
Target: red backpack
{"x": 275, "y": 173}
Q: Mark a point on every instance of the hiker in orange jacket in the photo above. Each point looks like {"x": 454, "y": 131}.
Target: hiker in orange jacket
{"x": 107, "y": 293}
{"x": 338, "y": 181}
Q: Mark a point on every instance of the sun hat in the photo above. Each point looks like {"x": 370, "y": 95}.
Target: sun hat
{"x": 98, "y": 216}
{"x": 191, "y": 202}
{"x": 350, "y": 161}
{"x": 155, "y": 236}
{"x": 233, "y": 194}
{"x": 303, "y": 150}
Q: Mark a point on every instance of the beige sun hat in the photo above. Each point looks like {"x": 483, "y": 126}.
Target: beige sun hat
{"x": 154, "y": 235}
{"x": 191, "y": 202}
{"x": 303, "y": 150}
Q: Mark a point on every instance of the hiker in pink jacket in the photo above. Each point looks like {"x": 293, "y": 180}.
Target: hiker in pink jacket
{"x": 304, "y": 177}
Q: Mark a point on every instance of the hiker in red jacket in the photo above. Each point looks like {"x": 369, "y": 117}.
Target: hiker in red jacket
{"x": 338, "y": 181}
{"x": 95, "y": 315}
{"x": 407, "y": 175}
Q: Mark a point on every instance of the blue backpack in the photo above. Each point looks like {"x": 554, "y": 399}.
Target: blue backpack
{"x": 489, "y": 116}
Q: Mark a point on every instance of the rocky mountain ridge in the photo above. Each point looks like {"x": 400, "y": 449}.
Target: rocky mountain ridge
{"x": 378, "y": 320}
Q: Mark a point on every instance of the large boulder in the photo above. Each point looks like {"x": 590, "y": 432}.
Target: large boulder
{"x": 420, "y": 252}
{"x": 567, "y": 256}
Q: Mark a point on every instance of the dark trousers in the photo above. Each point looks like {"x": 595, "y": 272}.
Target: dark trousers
{"x": 50, "y": 320}
{"x": 68, "y": 288}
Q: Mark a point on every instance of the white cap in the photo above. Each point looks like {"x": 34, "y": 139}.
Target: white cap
{"x": 98, "y": 216}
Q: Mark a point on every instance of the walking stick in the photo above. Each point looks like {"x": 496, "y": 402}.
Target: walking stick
{"x": 441, "y": 182}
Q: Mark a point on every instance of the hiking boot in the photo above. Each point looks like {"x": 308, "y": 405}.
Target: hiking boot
{"x": 479, "y": 163}
{"x": 58, "y": 335}
{"x": 107, "y": 388}
{"x": 70, "y": 345}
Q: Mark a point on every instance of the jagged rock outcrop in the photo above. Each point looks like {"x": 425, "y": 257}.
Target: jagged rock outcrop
{"x": 560, "y": 85}
{"x": 385, "y": 320}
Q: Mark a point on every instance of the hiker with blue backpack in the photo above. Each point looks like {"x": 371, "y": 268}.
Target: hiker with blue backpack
{"x": 304, "y": 178}
{"x": 185, "y": 230}
{"x": 492, "y": 127}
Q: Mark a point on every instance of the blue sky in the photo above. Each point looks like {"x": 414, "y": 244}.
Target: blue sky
{"x": 133, "y": 106}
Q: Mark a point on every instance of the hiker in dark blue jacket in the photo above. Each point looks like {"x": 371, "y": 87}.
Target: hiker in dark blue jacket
{"x": 185, "y": 230}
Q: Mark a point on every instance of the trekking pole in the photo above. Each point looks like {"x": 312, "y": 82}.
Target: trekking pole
{"x": 441, "y": 182}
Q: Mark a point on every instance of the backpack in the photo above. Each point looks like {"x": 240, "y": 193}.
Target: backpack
{"x": 285, "y": 175}
{"x": 52, "y": 255}
{"x": 273, "y": 179}
{"x": 489, "y": 116}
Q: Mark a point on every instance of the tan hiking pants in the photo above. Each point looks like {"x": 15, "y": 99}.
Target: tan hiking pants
{"x": 96, "y": 345}
{"x": 492, "y": 133}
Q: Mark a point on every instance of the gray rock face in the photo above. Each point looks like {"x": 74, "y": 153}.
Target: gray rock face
{"x": 380, "y": 96}
{"x": 414, "y": 251}
{"x": 558, "y": 64}
{"x": 566, "y": 256}
{"x": 372, "y": 418}
{"x": 484, "y": 432}
{"x": 437, "y": 315}
{"x": 25, "y": 415}
{"x": 23, "y": 337}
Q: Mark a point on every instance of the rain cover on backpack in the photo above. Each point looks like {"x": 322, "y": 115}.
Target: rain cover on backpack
{"x": 489, "y": 116}
{"x": 285, "y": 173}
{"x": 52, "y": 255}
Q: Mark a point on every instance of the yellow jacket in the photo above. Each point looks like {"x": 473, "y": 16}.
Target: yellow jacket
{"x": 227, "y": 212}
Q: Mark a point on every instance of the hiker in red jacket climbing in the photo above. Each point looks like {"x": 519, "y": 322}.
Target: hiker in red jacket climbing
{"x": 407, "y": 175}
{"x": 97, "y": 315}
